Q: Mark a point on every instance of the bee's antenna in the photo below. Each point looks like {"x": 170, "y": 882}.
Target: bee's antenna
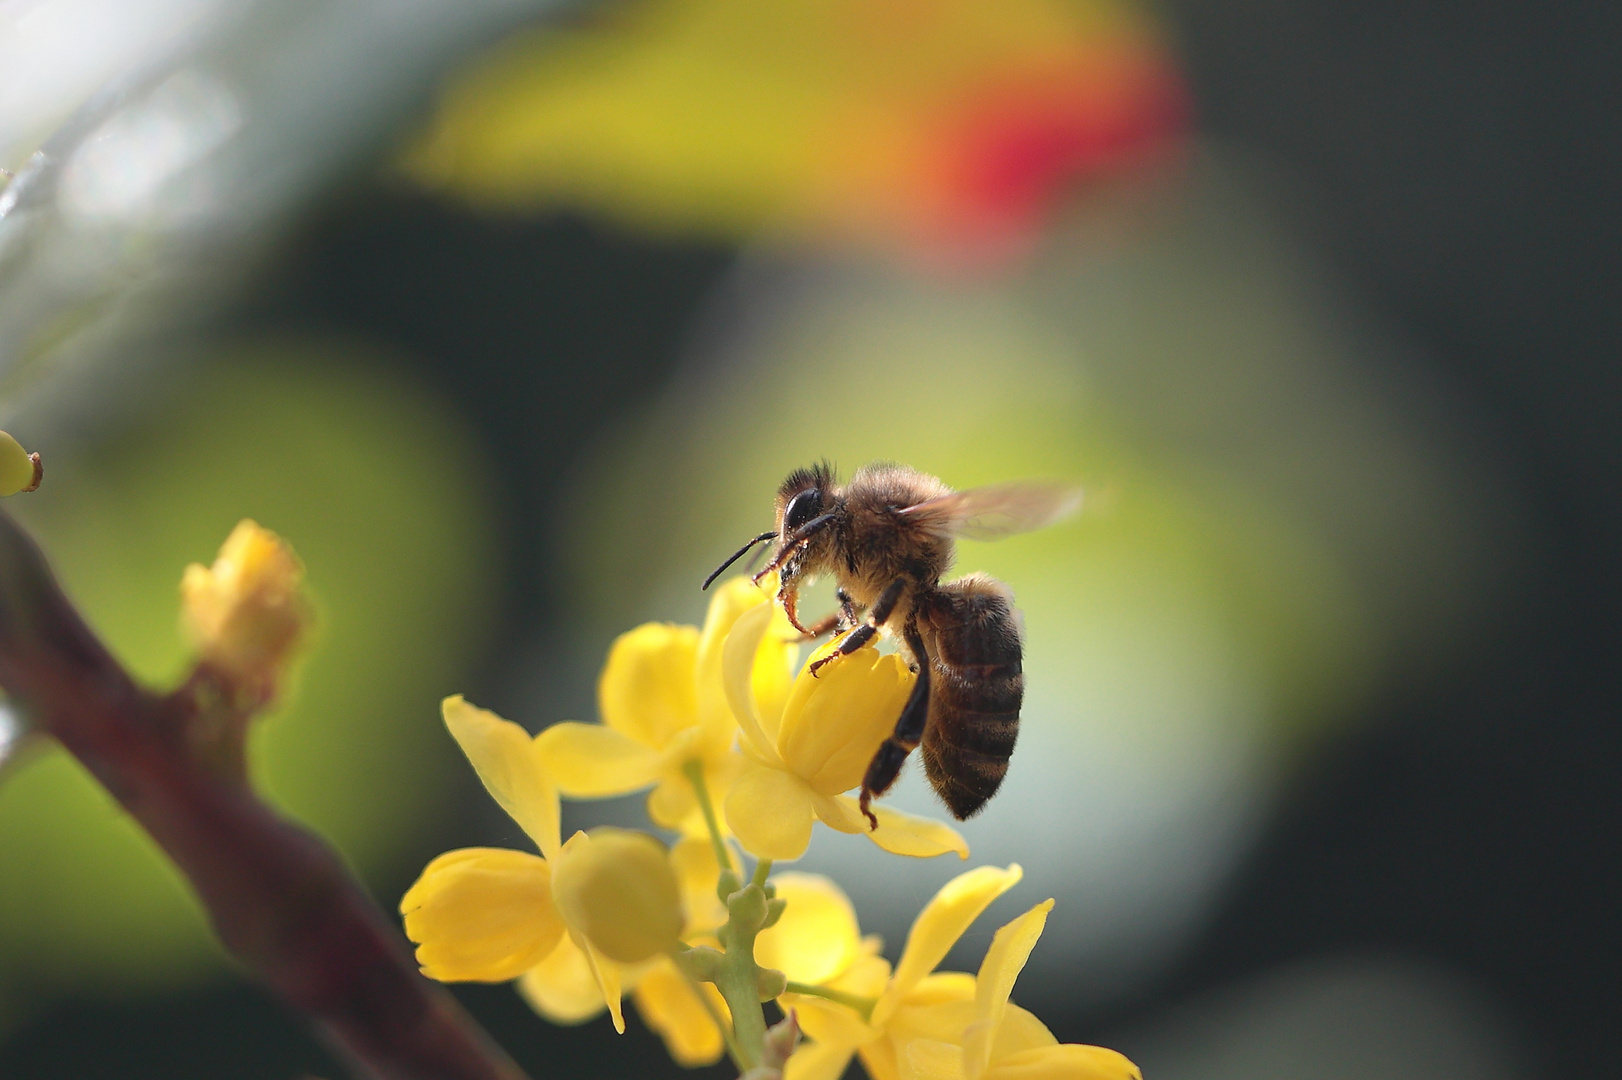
{"x": 735, "y": 557}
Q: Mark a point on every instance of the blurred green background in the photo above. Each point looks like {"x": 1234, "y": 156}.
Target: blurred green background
{"x": 510, "y": 320}
{"x": 388, "y": 500}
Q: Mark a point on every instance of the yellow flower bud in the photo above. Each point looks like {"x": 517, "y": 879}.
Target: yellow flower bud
{"x": 482, "y": 914}
{"x": 246, "y": 612}
{"x": 617, "y": 887}
{"x": 19, "y": 470}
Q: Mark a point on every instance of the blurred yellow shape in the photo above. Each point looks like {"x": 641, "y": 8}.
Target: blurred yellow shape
{"x": 891, "y": 119}
{"x": 816, "y": 939}
{"x": 669, "y": 1004}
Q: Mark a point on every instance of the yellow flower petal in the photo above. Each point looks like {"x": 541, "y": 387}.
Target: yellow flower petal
{"x": 817, "y": 937}
{"x": 730, "y": 600}
{"x": 1005, "y": 959}
{"x": 672, "y": 805}
{"x": 1019, "y": 1031}
{"x": 503, "y": 755}
{"x": 769, "y": 812}
{"x": 606, "y": 974}
{"x": 834, "y": 722}
{"x": 868, "y": 975}
{"x": 589, "y": 761}
{"x": 1066, "y": 1061}
{"x": 827, "y": 1022}
{"x": 647, "y": 688}
{"x": 693, "y": 860}
{"x": 818, "y": 1061}
{"x": 737, "y": 679}
{"x": 775, "y": 663}
{"x": 943, "y": 988}
{"x": 617, "y": 888}
{"x": 562, "y": 987}
{"x": 937, "y": 928}
{"x": 929, "y": 1059}
{"x": 879, "y": 1059}
{"x": 842, "y": 813}
{"x": 482, "y": 914}
{"x": 898, "y": 833}
{"x": 669, "y": 1005}
{"x": 938, "y": 1008}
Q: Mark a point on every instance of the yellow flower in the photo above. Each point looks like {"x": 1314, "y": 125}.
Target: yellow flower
{"x": 19, "y": 470}
{"x": 618, "y": 887}
{"x": 505, "y": 895}
{"x": 997, "y": 1040}
{"x": 903, "y": 1001}
{"x": 489, "y": 915}
{"x": 246, "y": 612}
{"x": 562, "y": 989}
{"x": 807, "y": 749}
{"x": 663, "y": 708}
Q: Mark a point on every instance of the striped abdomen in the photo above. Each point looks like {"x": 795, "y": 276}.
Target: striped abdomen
{"x": 971, "y": 632}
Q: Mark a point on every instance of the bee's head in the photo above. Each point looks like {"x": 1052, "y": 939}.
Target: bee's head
{"x": 804, "y": 498}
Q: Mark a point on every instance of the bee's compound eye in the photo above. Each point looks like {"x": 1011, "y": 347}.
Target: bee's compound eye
{"x": 801, "y": 509}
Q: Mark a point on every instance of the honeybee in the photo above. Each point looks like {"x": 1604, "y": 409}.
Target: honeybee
{"x": 887, "y": 537}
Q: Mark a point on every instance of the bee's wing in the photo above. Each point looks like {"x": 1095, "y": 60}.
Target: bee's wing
{"x": 998, "y": 510}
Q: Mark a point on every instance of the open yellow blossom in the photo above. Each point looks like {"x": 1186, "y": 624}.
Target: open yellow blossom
{"x": 900, "y": 1004}
{"x": 804, "y": 753}
{"x": 245, "y": 613}
{"x": 484, "y": 914}
{"x": 664, "y": 709}
{"x": 997, "y": 1040}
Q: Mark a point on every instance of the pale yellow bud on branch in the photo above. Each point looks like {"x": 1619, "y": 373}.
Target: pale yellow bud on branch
{"x": 19, "y": 470}
{"x": 246, "y": 613}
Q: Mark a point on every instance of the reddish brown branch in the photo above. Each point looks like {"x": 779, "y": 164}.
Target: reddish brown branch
{"x": 279, "y": 898}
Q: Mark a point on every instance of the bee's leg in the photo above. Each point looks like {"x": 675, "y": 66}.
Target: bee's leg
{"x": 847, "y": 606}
{"x": 909, "y": 729}
{"x": 789, "y": 596}
{"x": 843, "y": 619}
{"x": 822, "y": 626}
{"x": 864, "y": 633}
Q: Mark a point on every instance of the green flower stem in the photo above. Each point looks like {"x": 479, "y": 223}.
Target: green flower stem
{"x": 738, "y": 977}
{"x": 694, "y": 771}
{"x": 734, "y": 1051}
{"x": 863, "y": 1005}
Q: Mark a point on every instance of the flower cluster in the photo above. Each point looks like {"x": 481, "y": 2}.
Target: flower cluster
{"x": 738, "y": 751}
